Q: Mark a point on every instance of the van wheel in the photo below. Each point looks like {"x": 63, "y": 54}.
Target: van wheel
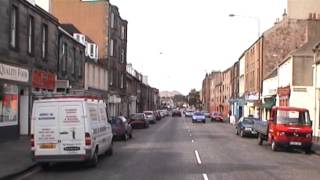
{"x": 109, "y": 152}
{"x": 95, "y": 159}
{"x": 274, "y": 146}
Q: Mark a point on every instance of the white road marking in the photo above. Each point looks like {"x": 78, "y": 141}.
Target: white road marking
{"x": 198, "y": 157}
{"x": 192, "y": 141}
{"x": 190, "y": 135}
{"x": 205, "y": 176}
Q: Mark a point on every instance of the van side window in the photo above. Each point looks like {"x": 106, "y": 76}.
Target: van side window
{"x": 103, "y": 115}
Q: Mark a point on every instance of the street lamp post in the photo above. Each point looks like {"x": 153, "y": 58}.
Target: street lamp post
{"x": 250, "y": 17}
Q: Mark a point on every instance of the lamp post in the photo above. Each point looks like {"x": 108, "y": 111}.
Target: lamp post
{"x": 250, "y": 17}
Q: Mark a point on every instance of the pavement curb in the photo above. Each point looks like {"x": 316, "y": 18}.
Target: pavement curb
{"x": 12, "y": 175}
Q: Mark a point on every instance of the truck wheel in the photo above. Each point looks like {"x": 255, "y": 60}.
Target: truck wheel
{"x": 260, "y": 140}
{"x": 307, "y": 150}
{"x": 274, "y": 146}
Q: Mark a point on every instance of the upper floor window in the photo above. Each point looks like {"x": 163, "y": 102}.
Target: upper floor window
{"x": 121, "y": 81}
{"x": 13, "y": 27}
{"x": 80, "y": 64}
{"x": 31, "y": 35}
{"x": 122, "y": 56}
{"x": 112, "y": 20}
{"x": 73, "y": 61}
{"x": 44, "y": 41}
{"x": 111, "y": 47}
{"x": 64, "y": 57}
{"x": 122, "y": 32}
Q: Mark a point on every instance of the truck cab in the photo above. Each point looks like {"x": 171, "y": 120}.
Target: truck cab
{"x": 288, "y": 127}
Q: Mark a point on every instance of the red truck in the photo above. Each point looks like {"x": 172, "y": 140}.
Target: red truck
{"x": 288, "y": 127}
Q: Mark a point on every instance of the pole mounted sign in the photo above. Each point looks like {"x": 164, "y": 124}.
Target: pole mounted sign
{"x": 13, "y": 73}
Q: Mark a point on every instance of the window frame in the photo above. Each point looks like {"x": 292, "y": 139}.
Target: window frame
{"x": 44, "y": 41}
{"x": 14, "y": 43}
{"x": 31, "y": 32}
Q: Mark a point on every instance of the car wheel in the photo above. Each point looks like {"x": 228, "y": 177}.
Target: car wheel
{"x": 241, "y": 133}
{"x": 125, "y": 136}
{"x": 204, "y": 122}
{"x": 274, "y": 146}
{"x": 237, "y": 132}
{"x": 260, "y": 140}
{"x": 130, "y": 135}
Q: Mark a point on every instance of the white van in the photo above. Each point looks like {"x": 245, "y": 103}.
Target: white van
{"x": 66, "y": 129}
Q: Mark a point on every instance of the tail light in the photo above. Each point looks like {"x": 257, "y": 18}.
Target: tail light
{"x": 32, "y": 140}
{"x": 88, "y": 139}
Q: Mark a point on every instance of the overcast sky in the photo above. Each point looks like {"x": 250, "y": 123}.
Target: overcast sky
{"x": 175, "y": 42}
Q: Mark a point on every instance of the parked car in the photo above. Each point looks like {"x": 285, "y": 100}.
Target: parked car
{"x": 121, "y": 128}
{"x": 216, "y": 116}
{"x": 176, "y": 113}
{"x": 198, "y": 117}
{"x": 206, "y": 113}
{"x": 189, "y": 113}
{"x": 66, "y": 129}
{"x": 288, "y": 127}
{"x": 244, "y": 127}
{"x": 158, "y": 115}
{"x": 150, "y": 117}
{"x": 138, "y": 120}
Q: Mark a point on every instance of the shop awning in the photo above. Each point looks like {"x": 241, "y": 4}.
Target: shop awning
{"x": 269, "y": 103}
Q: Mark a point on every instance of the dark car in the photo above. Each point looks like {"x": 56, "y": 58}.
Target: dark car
{"x": 216, "y": 116}
{"x": 138, "y": 120}
{"x": 244, "y": 127}
{"x": 176, "y": 113}
{"x": 121, "y": 128}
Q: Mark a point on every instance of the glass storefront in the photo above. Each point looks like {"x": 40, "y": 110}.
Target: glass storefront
{"x": 8, "y": 105}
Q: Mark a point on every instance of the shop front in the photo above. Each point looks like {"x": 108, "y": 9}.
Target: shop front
{"x": 14, "y": 101}
{"x": 267, "y": 105}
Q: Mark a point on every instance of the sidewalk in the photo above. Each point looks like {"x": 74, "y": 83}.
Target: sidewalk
{"x": 316, "y": 146}
{"x": 15, "y": 157}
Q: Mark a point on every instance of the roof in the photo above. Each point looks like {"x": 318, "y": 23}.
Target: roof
{"x": 286, "y": 108}
{"x": 71, "y": 29}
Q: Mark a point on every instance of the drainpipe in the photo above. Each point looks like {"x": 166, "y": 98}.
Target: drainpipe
{"x": 315, "y": 92}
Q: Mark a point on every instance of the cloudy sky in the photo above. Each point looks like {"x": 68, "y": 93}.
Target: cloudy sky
{"x": 175, "y": 42}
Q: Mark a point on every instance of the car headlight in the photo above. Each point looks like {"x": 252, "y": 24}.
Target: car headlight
{"x": 309, "y": 135}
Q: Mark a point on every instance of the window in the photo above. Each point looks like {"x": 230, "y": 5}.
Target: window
{"x": 73, "y": 61}
{"x": 13, "y": 27}
{"x": 121, "y": 81}
{"x": 111, "y": 77}
{"x": 80, "y": 64}
{"x": 122, "y": 56}
{"x": 44, "y": 41}
{"x": 92, "y": 50}
{"x": 30, "y": 35}
{"x": 64, "y": 57}
{"x": 112, "y": 20}
{"x": 111, "y": 48}
{"x": 122, "y": 32}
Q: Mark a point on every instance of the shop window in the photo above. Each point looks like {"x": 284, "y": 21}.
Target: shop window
{"x": 8, "y": 105}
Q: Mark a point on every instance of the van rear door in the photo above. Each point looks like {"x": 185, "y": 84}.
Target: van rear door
{"x": 46, "y": 129}
{"x": 72, "y": 130}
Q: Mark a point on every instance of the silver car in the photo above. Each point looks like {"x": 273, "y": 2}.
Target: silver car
{"x": 150, "y": 117}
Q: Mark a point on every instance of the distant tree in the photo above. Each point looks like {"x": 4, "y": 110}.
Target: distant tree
{"x": 194, "y": 99}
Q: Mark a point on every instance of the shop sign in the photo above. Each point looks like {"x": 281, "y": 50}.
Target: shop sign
{"x": 284, "y": 91}
{"x": 252, "y": 97}
{"x": 13, "y": 73}
{"x": 43, "y": 80}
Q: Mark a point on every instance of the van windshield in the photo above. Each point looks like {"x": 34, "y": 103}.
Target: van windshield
{"x": 290, "y": 117}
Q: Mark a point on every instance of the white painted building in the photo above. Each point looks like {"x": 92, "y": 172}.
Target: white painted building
{"x": 269, "y": 93}
{"x": 295, "y": 81}
{"x": 316, "y": 120}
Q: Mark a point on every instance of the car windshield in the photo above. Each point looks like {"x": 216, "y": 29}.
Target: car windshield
{"x": 291, "y": 117}
{"x": 198, "y": 114}
{"x": 249, "y": 120}
{"x": 137, "y": 116}
{"x": 148, "y": 113}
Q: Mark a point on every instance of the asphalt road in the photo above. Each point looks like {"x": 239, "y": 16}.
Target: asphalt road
{"x": 176, "y": 149}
